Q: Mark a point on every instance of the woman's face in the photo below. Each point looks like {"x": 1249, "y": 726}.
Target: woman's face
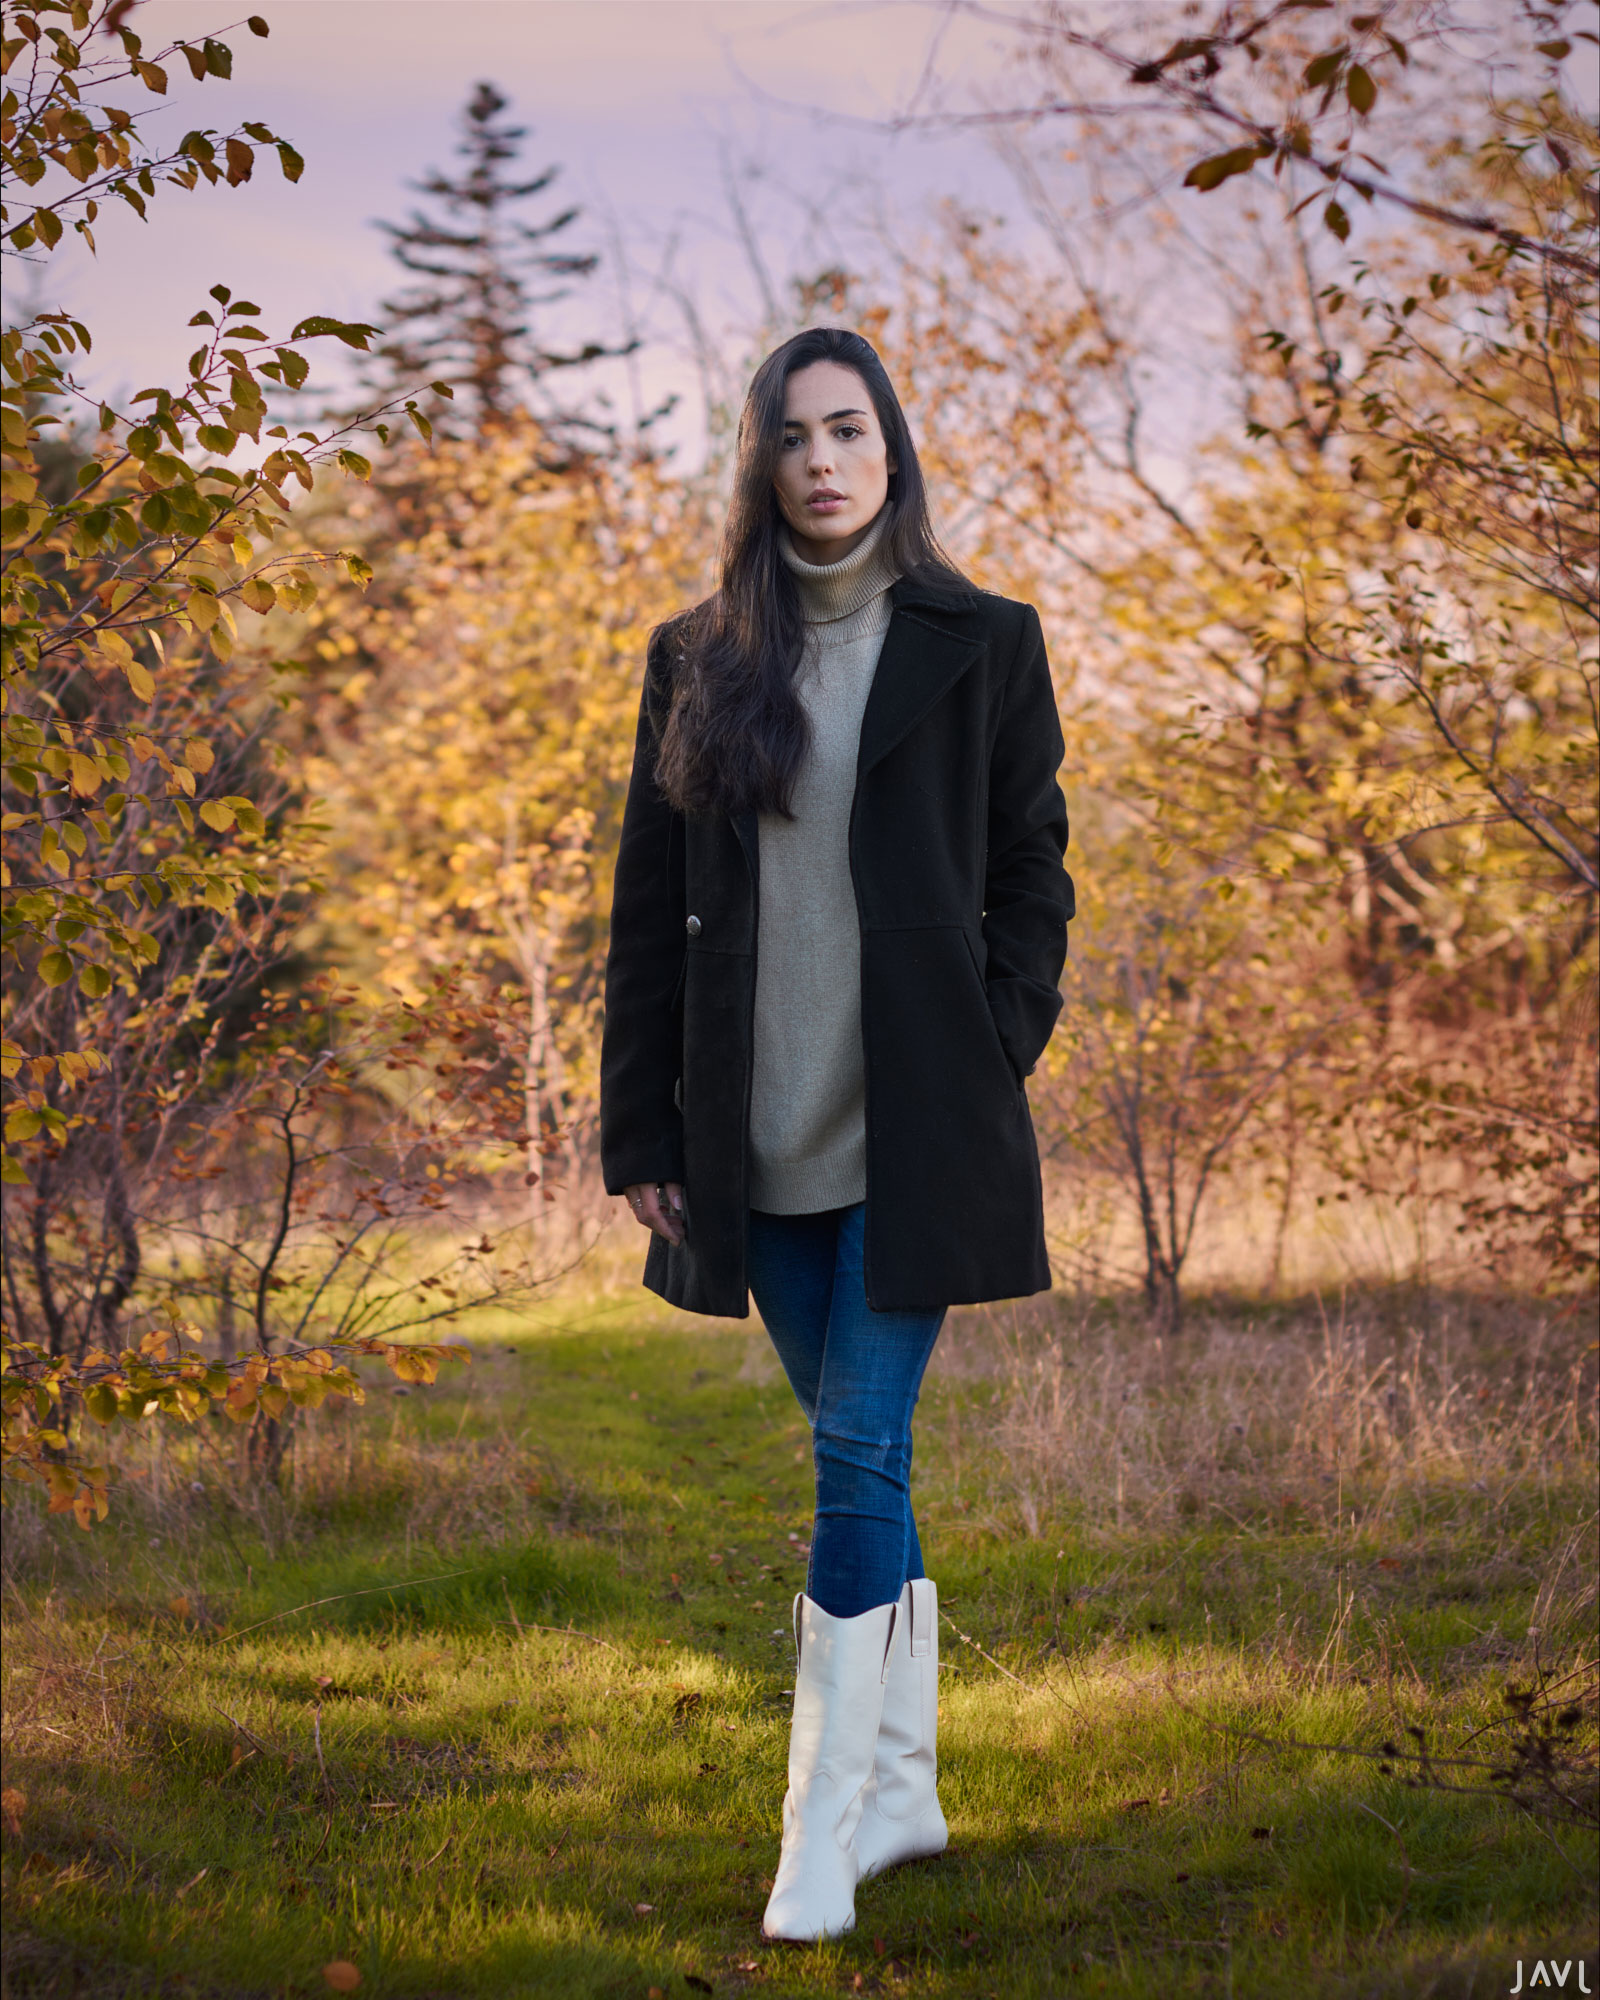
{"x": 833, "y": 464}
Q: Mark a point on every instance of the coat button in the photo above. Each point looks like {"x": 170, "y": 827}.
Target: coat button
{"x": 693, "y": 927}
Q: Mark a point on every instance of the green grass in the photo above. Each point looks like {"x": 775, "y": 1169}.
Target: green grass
{"x": 501, "y": 1805}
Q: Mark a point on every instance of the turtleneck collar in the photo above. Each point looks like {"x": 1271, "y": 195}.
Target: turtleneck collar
{"x": 831, "y": 591}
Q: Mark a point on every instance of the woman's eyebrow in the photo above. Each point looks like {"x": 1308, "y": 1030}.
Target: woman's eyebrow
{"x": 833, "y": 416}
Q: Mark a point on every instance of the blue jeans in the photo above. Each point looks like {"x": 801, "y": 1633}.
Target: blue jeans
{"x": 857, "y": 1374}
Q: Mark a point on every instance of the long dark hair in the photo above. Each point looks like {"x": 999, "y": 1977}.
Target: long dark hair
{"x": 736, "y": 733}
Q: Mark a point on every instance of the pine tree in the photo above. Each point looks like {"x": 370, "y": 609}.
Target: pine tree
{"x": 483, "y": 272}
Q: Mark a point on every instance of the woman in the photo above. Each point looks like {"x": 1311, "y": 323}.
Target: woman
{"x": 839, "y": 922}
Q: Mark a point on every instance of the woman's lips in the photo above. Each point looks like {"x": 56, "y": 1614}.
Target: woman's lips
{"x": 826, "y": 502}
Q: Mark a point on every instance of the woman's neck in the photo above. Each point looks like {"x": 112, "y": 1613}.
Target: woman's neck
{"x": 840, "y": 588}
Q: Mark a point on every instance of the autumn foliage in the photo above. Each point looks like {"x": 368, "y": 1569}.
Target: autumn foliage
{"x": 314, "y": 755}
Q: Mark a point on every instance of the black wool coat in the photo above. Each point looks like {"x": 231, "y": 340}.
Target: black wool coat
{"x": 956, "y": 842}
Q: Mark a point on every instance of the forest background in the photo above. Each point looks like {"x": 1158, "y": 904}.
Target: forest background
{"x": 1318, "y": 577}
{"x": 1259, "y": 350}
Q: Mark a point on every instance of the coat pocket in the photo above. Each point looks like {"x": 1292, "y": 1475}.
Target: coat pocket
{"x": 977, "y": 958}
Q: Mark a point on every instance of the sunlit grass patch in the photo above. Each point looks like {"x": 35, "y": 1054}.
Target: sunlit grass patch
{"x": 492, "y": 1697}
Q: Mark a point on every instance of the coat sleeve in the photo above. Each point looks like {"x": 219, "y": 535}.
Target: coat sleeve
{"x": 641, "y": 1127}
{"x": 1028, "y": 897}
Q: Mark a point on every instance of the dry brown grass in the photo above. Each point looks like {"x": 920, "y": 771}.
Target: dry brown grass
{"x": 1377, "y": 1408}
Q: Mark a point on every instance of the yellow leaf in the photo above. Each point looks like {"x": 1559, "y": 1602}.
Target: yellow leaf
{"x": 198, "y": 754}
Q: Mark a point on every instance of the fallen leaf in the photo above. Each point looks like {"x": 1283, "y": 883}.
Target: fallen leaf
{"x": 1390, "y": 1562}
{"x": 1132, "y": 1805}
{"x": 657, "y": 1993}
{"x": 178, "y": 1606}
{"x": 193, "y": 1882}
{"x": 643, "y": 1909}
{"x": 13, "y": 1803}
{"x": 878, "y": 1947}
{"x": 1183, "y": 1877}
{"x": 341, "y": 1975}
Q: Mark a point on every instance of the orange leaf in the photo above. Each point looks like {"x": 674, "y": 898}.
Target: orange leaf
{"x": 341, "y": 1975}
{"x": 13, "y": 1803}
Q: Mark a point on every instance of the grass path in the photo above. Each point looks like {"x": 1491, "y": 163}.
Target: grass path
{"x": 439, "y": 1785}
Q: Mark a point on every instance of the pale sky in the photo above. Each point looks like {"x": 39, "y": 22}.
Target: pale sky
{"x": 648, "y": 105}
{"x": 670, "y": 119}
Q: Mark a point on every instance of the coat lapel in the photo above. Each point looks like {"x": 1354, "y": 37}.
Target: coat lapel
{"x": 923, "y": 655}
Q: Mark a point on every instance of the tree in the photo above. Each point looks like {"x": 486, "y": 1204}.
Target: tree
{"x": 150, "y": 851}
{"x": 470, "y": 726}
{"x": 1367, "y": 649}
{"x": 470, "y": 322}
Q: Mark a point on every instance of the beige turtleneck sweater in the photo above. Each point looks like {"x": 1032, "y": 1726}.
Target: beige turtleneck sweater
{"x": 808, "y": 1101}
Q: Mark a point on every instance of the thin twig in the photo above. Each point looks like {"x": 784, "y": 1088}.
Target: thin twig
{"x": 373, "y": 1590}
{"x": 516, "y": 1621}
{"x": 967, "y": 1640}
{"x": 245, "y": 1733}
{"x": 316, "y": 1737}
{"x": 1543, "y": 1692}
{"x": 418, "y": 1867}
{"x": 568, "y": 1632}
{"x": 1533, "y": 1818}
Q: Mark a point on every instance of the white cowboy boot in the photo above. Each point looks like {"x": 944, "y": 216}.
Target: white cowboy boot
{"x": 838, "y": 1699}
{"x": 900, "y": 1816}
